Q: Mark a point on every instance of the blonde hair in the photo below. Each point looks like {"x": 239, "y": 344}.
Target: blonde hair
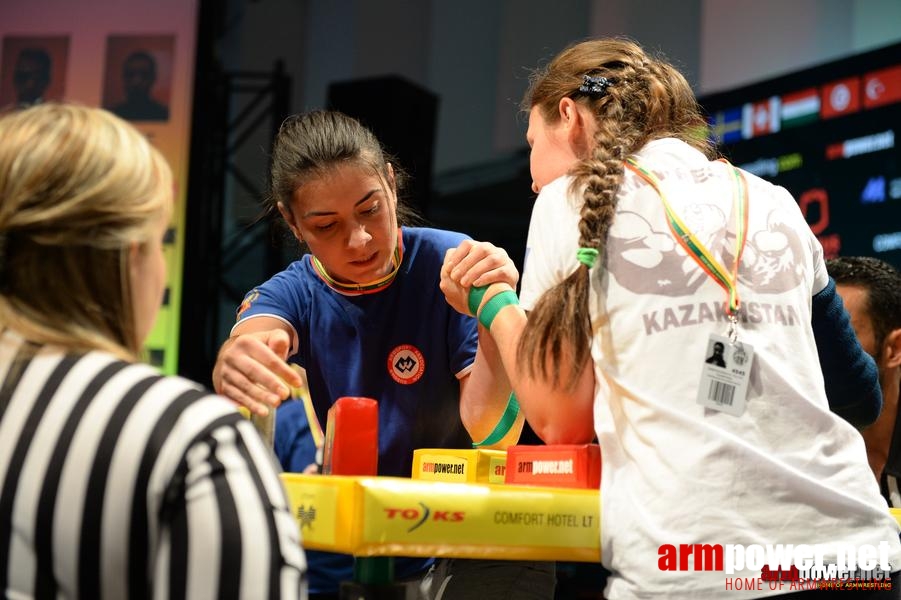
{"x": 78, "y": 186}
{"x": 644, "y": 99}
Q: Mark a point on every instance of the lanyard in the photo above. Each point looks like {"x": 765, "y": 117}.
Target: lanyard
{"x": 362, "y": 288}
{"x": 728, "y": 280}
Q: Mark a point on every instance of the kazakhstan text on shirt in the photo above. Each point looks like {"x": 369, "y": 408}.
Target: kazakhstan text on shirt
{"x": 693, "y": 314}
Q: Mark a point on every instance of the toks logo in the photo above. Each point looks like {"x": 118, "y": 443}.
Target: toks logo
{"x": 417, "y": 517}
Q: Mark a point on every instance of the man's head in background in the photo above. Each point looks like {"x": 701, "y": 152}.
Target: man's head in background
{"x": 871, "y": 292}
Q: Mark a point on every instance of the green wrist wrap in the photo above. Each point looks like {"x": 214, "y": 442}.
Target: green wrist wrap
{"x": 503, "y": 426}
{"x": 476, "y": 293}
{"x": 494, "y": 306}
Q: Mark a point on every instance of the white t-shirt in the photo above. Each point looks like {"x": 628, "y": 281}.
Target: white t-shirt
{"x": 787, "y": 471}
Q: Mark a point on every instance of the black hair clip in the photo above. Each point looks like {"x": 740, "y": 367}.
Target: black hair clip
{"x": 595, "y": 86}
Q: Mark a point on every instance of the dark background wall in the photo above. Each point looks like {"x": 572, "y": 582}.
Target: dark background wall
{"x": 476, "y": 54}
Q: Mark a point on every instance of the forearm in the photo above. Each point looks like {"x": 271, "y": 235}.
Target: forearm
{"x": 485, "y": 392}
{"x": 556, "y": 415}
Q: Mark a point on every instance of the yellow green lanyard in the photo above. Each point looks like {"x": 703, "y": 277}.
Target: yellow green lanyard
{"x": 693, "y": 246}
{"x": 363, "y": 288}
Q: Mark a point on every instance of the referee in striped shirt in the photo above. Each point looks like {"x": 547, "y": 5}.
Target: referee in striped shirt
{"x": 117, "y": 482}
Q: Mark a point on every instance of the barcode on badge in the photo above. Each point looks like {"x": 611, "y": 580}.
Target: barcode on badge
{"x": 721, "y": 393}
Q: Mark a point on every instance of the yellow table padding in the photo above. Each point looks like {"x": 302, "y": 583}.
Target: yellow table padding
{"x": 394, "y": 516}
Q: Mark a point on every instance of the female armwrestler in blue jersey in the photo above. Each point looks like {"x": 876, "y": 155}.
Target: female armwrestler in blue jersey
{"x": 363, "y": 315}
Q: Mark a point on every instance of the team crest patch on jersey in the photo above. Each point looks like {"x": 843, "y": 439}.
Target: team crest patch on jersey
{"x": 406, "y": 364}
{"x": 248, "y": 300}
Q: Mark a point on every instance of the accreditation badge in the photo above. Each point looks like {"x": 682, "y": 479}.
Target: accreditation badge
{"x": 725, "y": 375}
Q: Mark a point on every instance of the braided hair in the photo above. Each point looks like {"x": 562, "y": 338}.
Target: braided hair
{"x": 634, "y": 98}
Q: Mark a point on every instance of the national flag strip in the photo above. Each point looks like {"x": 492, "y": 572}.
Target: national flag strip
{"x": 882, "y": 87}
{"x": 840, "y": 98}
{"x": 835, "y": 99}
{"x": 800, "y": 108}
{"x": 725, "y": 125}
{"x": 760, "y": 118}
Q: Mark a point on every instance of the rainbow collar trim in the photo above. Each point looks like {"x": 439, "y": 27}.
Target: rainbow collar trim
{"x": 355, "y": 289}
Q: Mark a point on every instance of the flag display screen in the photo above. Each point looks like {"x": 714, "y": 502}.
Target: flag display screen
{"x": 828, "y": 134}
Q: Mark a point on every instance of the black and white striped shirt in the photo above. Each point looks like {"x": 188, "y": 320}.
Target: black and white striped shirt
{"x": 118, "y": 482}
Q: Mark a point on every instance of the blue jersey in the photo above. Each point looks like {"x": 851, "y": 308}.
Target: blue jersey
{"x": 402, "y": 345}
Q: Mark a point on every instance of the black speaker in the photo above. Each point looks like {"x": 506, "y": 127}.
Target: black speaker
{"x": 403, "y": 116}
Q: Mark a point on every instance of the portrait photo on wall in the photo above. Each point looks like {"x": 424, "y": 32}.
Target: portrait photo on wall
{"x": 33, "y": 69}
{"x": 137, "y": 81}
